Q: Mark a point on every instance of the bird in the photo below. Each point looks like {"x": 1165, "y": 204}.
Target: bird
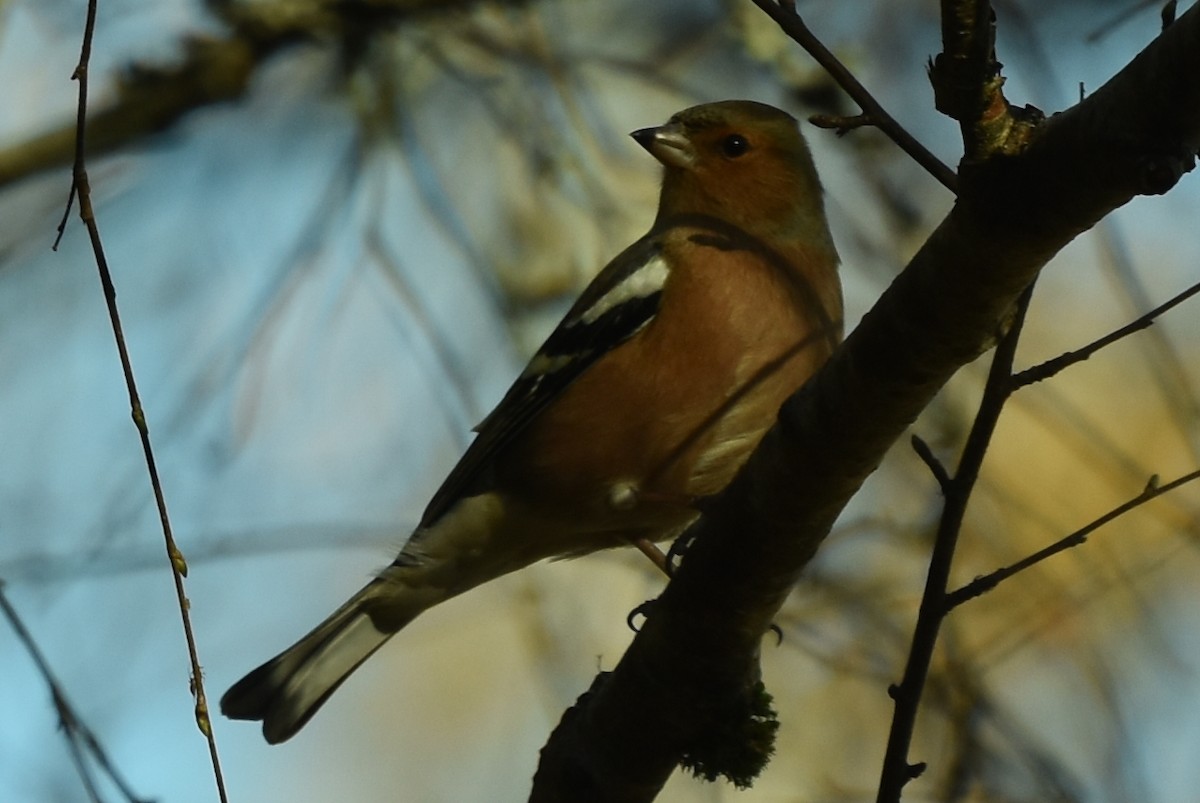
{"x": 648, "y": 396}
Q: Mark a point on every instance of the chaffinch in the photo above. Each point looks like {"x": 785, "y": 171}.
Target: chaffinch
{"x": 651, "y": 393}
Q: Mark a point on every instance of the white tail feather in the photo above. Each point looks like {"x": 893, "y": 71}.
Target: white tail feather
{"x": 287, "y": 690}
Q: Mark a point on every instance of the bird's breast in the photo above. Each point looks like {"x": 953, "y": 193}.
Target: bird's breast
{"x": 673, "y": 413}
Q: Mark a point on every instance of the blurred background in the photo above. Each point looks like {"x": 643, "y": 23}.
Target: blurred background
{"x": 337, "y": 230}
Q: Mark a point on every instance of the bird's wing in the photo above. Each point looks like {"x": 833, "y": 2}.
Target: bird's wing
{"x": 622, "y": 299}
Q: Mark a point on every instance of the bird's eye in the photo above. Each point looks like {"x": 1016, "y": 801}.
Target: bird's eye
{"x": 734, "y": 145}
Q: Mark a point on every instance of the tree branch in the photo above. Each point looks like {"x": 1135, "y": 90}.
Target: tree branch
{"x": 968, "y": 86}
{"x": 981, "y": 585}
{"x": 896, "y": 770}
{"x": 81, "y": 189}
{"x": 1063, "y": 361}
{"x": 699, "y": 645}
{"x": 789, "y": 21}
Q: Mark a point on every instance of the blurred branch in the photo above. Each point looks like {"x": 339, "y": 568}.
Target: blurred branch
{"x": 1016, "y": 209}
{"x": 217, "y": 69}
{"x": 1063, "y": 361}
{"x": 1124, "y": 15}
{"x": 1168, "y": 369}
{"x": 789, "y": 21}
{"x": 73, "y": 728}
{"x": 80, "y": 188}
{"x": 981, "y": 585}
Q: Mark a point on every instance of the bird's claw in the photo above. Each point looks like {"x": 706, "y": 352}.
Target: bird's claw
{"x": 642, "y": 610}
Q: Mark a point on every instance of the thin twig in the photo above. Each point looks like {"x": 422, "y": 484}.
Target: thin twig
{"x": 840, "y": 124}
{"x": 897, "y": 771}
{"x": 981, "y": 585}
{"x": 82, "y": 190}
{"x": 1052, "y": 367}
{"x": 73, "y": 728}
{"x": 789, "y": 21}
{"x": 931, "y": 462}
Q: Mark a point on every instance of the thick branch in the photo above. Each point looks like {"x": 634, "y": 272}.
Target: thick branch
{"x": 968, "y": 86}
{"x": 700, "y": 641}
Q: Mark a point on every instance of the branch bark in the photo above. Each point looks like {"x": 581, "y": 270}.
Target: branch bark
{"x": 698, "y": 651}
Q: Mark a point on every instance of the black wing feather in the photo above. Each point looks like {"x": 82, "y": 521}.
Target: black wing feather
{"x": 567, "y": 353}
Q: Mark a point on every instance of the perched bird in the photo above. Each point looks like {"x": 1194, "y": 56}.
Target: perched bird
{"x": 651, "y": 393}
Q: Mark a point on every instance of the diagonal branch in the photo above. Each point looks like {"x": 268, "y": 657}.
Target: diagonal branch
{"x": 873, "y": 112}
{"x": 1063, "y": 361}
{"x": 700, "y": 642}
{"x": 81, "y": 189}
{"x": 981, "y": 585}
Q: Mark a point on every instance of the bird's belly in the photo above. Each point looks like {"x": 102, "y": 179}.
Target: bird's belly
{"x": 637, "y": 477}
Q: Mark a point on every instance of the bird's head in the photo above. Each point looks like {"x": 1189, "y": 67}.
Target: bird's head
{"x": 743, "y": 162}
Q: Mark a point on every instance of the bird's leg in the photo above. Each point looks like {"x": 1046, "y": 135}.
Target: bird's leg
{"x": 627, "y": 496}
{"x": 651, "y": 551}
{"x": 668, "y": 562}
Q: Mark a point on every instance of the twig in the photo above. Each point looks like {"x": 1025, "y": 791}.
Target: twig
{"x": 1052, "y": 367}
{"x": 840, "y": 124}
{"x": 931, "y": 462}
{"x": 897, "y": 771}
{"x": 789, "y": 21}
{"x": 82, "y": 189}
{"x": 981, "y": 585}
{"x": 74, "y": 729}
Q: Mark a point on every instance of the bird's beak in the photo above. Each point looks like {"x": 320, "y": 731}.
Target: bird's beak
{"x": 667, "y": 143}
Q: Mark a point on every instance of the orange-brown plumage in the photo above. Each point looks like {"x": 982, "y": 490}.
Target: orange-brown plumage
{"x": 652, "y": 391}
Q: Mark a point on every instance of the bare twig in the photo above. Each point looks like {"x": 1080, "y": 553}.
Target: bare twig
{"x": 840, "y": 124}
{"x": 82, "y": 189}
{"x": 931, "y": 462}
{"x": 981, "y": 585}
{"x": 897, "y": 771}
{"x": 1053, "y": 366}
{"x": 789, "y": 21}
{"x": 73, "y": 728}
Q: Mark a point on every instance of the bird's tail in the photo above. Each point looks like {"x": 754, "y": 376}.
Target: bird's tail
{"x": 288, "y": 689}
